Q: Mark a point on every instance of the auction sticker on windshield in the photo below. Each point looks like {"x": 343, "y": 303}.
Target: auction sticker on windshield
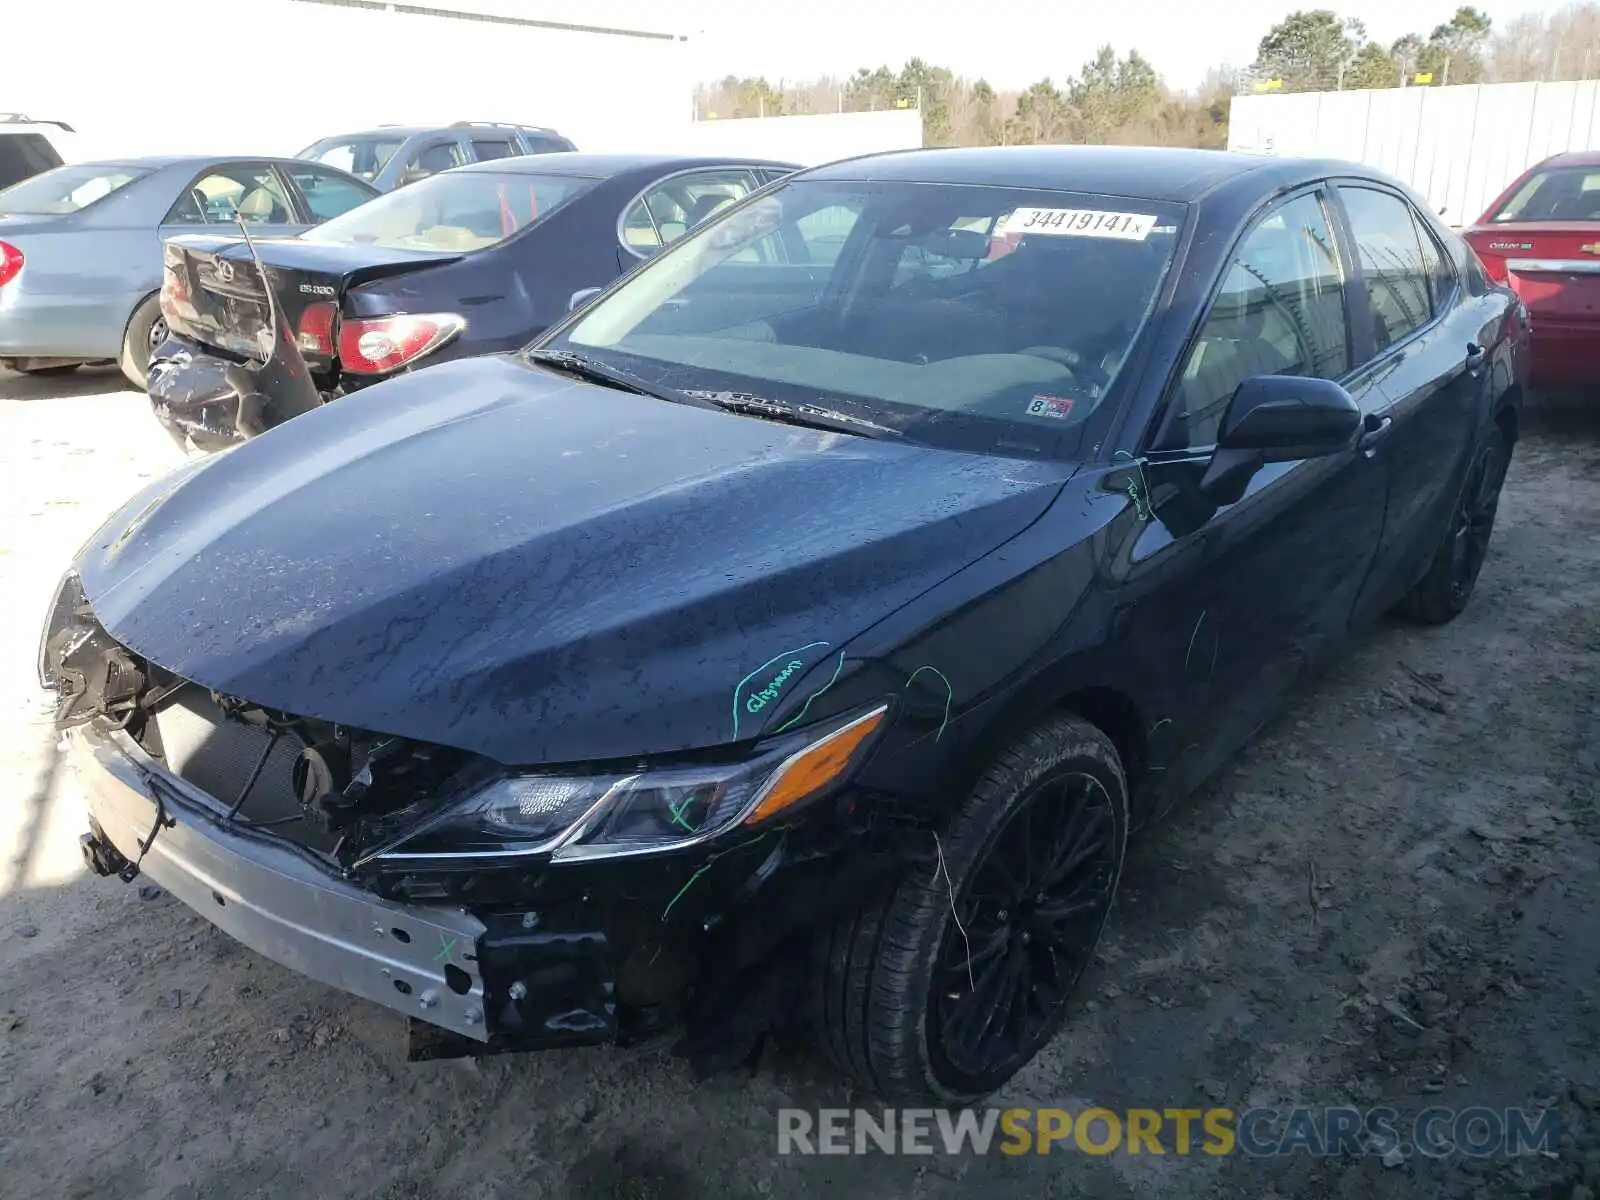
{"x": 1081, "y": 222}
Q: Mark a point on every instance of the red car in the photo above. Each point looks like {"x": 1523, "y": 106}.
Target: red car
{"x": 1542, "y": 238}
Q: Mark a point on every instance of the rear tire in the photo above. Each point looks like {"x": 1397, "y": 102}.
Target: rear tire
{"x": 918, "y": 1007}
{"x": 1442, "y": 594}
{"x": 146, "y": 330}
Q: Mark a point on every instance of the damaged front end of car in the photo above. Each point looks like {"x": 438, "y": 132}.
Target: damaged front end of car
{"x": 499, "y": 908}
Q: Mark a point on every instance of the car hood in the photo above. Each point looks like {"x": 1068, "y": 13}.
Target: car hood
{"x": 486, "y": 555}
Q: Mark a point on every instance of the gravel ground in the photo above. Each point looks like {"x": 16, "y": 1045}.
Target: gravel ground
{"x": 1383, "y": 901}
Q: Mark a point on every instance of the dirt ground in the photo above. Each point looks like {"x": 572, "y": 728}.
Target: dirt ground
{"x": 1389, "y": 899}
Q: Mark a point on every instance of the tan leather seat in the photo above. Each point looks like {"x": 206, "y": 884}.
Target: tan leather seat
{"x": 260, "y": 207}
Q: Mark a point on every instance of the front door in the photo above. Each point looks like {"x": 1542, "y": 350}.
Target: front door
{"x": 1228, "y": 603}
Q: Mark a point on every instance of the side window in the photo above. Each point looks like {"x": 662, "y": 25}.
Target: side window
{"x": 487, "y": 148}
{"x": 1441, "y": 271}
{"x": 824, "y": 232}
{"x": 230, "y": 194}
{"x": 430, "y": 160}
{"x": 665, "y": 212}
{"x": 1280, "y": 311}
{"x": 1391, "y": 260}
{"x": 326, "y": 194}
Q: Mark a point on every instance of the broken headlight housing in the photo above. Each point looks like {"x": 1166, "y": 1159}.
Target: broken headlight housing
{"x": 579, "y": 817}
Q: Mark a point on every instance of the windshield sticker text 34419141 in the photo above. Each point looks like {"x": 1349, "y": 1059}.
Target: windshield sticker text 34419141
{"x": 1081, "y": 222}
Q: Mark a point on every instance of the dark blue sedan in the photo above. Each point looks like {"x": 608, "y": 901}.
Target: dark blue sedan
{"x": 80, "y": 246}
{"x": 473, "y": 260}
{"x": 792, "y": 637}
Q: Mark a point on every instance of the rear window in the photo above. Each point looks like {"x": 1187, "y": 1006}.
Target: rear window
{"x": 66, "y": 189}
{"x": 453, "y": 212}
{"x": 361, "y": 157}
{"x": 23, "y": 155}
{"x": 1558, "y": 194}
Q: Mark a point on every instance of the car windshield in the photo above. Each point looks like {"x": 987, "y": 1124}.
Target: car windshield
{"x": 989, "y": 319}
{"x": 362, "y": 157}
{"x": 1557, "y": 194}
{"x": 66, "y": 189}
{"x": 453, "y": 211}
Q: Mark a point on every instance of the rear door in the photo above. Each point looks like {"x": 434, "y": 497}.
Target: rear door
{"x": 1223, "y": 605}
{"x": 217, "y": 198}
{"x": 1419, "y": 343}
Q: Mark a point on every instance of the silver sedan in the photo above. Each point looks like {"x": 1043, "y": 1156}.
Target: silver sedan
{"x": 80, "y": 246}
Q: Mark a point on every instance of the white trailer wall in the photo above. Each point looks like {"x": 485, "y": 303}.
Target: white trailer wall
{"x": 807, "y": 140}
{"x": 1459, "y": 146}
{"x": 272, "y": 76}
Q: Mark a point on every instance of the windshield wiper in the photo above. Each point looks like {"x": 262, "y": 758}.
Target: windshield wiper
{"x": 813, "y": 416}
{"x": 589, "y": 370}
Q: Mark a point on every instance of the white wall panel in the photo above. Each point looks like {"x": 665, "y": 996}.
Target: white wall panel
{"x": 1458, "y": 146}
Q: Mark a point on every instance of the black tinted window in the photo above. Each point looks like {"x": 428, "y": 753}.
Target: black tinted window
{"x": 486, "y": 149}
{"x": 1280, "y": 311}
{"x": 1397, "y": 275}
{"x": 1441, "y": 271}
{"x": 24, "y": 155}
{"x": 430, "y": 160}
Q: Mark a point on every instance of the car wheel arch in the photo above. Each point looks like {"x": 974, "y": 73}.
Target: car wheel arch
{"x": 145, "y": 298}
{"x": 1109, "y": 709}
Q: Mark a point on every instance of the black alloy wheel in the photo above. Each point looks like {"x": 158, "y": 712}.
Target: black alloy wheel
{"x": 942, "y": 990}
{"x": 1442, "y": 593}
{"x": 1029, "y": 917}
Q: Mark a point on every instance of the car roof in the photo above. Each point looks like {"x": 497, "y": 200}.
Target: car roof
{"x": 156, "y": 162}
{"x": 1570, "y": 158}
{"x": 402, "y": 132}
{"x": 604, "y": 166}
{"x": 1146, "y": 172}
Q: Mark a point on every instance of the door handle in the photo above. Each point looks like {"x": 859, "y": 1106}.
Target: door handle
{"x": 1376, "y": 430}
{"x": 1476, "y": 357}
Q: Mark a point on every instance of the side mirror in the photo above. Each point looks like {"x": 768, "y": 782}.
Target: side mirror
{"x": 581, "y": 297}
{"x": 1279, "y": 418}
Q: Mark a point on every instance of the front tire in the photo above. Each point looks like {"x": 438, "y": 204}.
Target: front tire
{"x": 146, "y": 330}
{"x": 1442, "y": 594}
{"x": 919, "y": 1006}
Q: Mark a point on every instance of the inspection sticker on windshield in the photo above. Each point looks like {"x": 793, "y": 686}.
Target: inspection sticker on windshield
{"x": 1081, "y": 222}
{"x": 1057, "y": 408}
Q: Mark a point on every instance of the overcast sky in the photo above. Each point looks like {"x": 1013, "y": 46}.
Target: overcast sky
{"x": 1012, "y": 44}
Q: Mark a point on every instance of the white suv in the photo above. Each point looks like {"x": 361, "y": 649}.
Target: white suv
{"x": 28, "y": 147}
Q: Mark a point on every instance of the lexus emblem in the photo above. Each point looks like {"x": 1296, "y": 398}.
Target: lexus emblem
{"x": 225, "y": 271}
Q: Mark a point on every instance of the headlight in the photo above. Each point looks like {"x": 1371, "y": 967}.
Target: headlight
{"x": 64, "y": 612}
{"x": 576, "y": 817}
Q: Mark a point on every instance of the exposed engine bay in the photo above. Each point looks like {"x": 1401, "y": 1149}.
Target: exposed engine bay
{"x": 568, "y": 956}
{"x": 332, "y": 789}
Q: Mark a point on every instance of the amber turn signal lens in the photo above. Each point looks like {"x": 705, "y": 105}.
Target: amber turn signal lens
{"x": 813, "y": 769}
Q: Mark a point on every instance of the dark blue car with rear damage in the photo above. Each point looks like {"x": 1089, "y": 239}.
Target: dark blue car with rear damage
{"x": 813, "y": 614}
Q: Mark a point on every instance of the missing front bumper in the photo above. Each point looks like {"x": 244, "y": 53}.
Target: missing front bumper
{"x": 418, "y": 960}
